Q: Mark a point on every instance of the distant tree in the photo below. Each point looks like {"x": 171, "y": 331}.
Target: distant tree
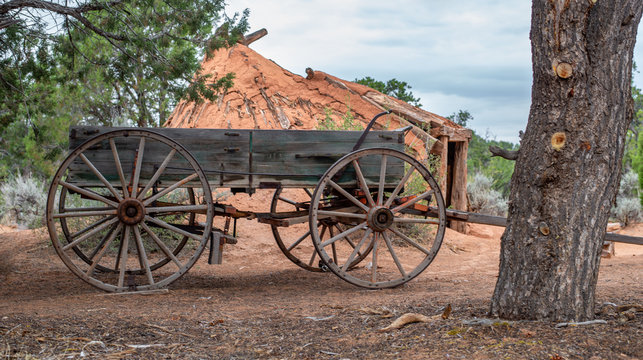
{"x": 462, "y": 117}
{"x": 397, "y": 89}
{"x": 479, "y": 158}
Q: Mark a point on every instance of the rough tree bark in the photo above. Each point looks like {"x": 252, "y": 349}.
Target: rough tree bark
{"x": 568, "y": 168}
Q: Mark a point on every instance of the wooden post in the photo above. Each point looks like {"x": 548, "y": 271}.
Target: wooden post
{"x": 444, "y": 158}
{"x": 459, "y": 187}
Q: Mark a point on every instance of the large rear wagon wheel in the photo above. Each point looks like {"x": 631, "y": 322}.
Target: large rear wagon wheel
{"x": 396, "y": 209}
{"x": 123, "y": 218}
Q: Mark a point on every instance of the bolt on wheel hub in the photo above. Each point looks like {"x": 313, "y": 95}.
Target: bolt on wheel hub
{"x": 131, "y": 211}
{"x": 380, "y": 218}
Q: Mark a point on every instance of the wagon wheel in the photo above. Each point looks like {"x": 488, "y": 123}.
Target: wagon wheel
{"x": 295, "y": 241}
{"x": 118, "y": 237}
{"x": 191, "y": 199}
{"x": 401, "y": 215}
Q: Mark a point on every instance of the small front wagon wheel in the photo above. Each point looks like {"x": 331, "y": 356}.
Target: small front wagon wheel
{"x": 125, "y": 203}
{"x": 391, "y": 204}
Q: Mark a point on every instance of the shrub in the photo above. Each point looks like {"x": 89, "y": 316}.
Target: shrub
{"x": 628, "y": 205}
{"x": 23, "y": 201}
{"x": 483, "y": 199}
{"x": 627, "y": 210}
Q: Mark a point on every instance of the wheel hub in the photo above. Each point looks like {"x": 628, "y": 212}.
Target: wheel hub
{"x": 380, "y": 218}
{"x": 131, "y": 211}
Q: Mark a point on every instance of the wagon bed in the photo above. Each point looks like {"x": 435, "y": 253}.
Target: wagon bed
{"x": 240, "y": 159}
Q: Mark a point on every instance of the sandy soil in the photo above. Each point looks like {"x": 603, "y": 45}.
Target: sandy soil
{"x": 259, "y": 305}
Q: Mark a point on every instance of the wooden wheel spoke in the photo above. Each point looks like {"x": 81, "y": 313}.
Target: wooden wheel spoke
{"x": 347, "y": 195}
{"x": 409, "y": 240}
{"x": 161, "y": 245}
{"x": 298, "y": 241}
{"x": 312, "y": 258}
{"x": 139, "y": 164}
{"x": 341, "y": 214}
{"x": 119, "y": 167}
{"x": 362, "y": 182}
{"x": 167, "y": 226}
{"x": 348, "y": 240}
{"x": 178, "y": 208}
{"x": 415, "y": 221}
{"x": 380, "y": 188}
{"x": 374, "y": 261}
{"x": 123, "y": 257}
{"x": 102, "y": 241}
{"x": 96, "y": 256}
{"x": 157, "y": 174}
{"x": 142, "y": 255}
{"x": 72, "y": 213}
{"x": 321, "y": 236}
{"x": 173, "y": 187}
{"x": 90, "y": 233}
{"x": 413, "y": 201}
{"x": 333, "y": 247}
{"x": 399, "y": 187}
{"x": 356, "y": 249}
{"x": 310, "y": 195}
{"x": 389, "y": 245}
{"x": 343, "y": 234}
{"x": 86, "y": 229}
{"x": 88, "y": 193}
{"x": 100, "y": 177}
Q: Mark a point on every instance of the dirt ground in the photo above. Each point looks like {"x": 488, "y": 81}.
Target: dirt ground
{"x": 259, "y": 305}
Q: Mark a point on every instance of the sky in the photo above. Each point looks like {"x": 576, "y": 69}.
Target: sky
{"x": 457, "y": 55}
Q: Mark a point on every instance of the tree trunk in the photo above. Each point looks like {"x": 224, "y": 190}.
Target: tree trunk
{"x": 568, "y": 168}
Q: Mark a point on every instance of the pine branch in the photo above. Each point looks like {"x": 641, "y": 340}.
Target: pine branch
{"x": 74, "y": 12}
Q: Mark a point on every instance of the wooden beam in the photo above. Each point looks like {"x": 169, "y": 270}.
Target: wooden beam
{"x": 454, "y": 134}
{"x": 624, "y": 238}
{"x": 459, "y": 186}
{"x": 502, "y": 221}
{"x": 250, "y": 38}
{"x": 444, "y": 158}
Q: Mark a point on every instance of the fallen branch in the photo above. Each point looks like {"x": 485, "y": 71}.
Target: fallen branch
{"x": 590, "y": 322}
{"x": 410, "y": 318}
{"x": 406, "y": 319}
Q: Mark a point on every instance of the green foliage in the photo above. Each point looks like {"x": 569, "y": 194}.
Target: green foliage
{"x": 462, "y": 117}
{"x": 104, "y": 63}
{"x": 479, "y": 160}
{"x": 633, "y": 155}
{"x": 347, "y": 120}
{"x": 397, "y": 89}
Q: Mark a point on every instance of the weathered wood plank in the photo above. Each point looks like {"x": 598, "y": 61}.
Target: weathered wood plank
{"x": 624, "y": 238}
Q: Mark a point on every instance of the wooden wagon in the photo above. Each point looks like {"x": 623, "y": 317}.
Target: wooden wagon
{"x": 133, "y": 209}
